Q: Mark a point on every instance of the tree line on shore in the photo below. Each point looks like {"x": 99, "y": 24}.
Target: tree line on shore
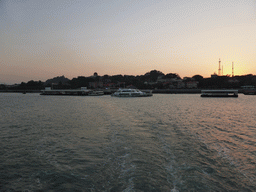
{"x": 150, "y": 80}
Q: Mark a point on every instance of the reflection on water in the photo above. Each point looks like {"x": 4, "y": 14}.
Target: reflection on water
{"x": 159, "y": 143}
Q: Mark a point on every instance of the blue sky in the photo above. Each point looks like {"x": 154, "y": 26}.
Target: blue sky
{"x": 43, "y": 39}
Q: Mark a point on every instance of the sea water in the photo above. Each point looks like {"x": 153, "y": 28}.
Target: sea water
{"x": 168, "y": 142}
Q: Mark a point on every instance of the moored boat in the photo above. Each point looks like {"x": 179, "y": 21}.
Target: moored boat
{"x": 219, "y": 93}
{"x": 249, "y": 90}
{"x": 65, "y": 92}
{"x": 131, "y": 93}
{"x": 96, "y": 93}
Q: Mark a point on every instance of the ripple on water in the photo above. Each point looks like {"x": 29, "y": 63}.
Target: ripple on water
{"x": 161, "y": 143}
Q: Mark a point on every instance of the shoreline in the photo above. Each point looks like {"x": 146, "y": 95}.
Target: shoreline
{"x": 110, "y": 91}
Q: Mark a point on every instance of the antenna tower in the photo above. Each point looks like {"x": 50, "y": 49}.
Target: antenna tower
{"x": 219, "y": 69}
{"x": 232, "y": 69}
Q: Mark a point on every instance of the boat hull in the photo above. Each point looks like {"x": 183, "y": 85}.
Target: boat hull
{"x": 65, "y": 92}
{"x": 249, "y": 92}
{"x": 219, "y": 95}
{"x": 96, "y": 93}
{"x": 132, "y": 93}
{"x": 58, "y": 94}
{"x": 145, "y": 95}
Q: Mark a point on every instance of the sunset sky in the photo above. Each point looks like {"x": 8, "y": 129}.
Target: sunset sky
{"x": 42, "y": 39}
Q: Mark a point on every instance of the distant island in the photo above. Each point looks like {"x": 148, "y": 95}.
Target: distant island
{"x": 154, "y": 80}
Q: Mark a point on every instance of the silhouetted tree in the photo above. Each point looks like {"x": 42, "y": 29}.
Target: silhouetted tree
{"x": 198, "y": 78}
{"x": 172, "y": 76}
{"x": 116, "y": 78}
{"x": 3, "y": 87}
{"x": 153, "y": 75}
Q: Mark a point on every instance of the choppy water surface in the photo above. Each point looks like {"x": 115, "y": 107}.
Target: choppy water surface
{"x": 160, "y": 143}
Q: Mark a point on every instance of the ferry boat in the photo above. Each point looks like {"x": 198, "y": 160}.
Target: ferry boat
{"x": 131, "y": 93}
{"x": 219, "y": 93}
{"x": 249, "y": 90}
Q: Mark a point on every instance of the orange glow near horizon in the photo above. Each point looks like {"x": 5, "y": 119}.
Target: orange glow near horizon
{"x": 127, "y": 38}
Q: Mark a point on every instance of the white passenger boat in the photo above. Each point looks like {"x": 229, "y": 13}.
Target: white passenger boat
{"x": 131, "y": 93}
{"x": 219, "y": 93}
